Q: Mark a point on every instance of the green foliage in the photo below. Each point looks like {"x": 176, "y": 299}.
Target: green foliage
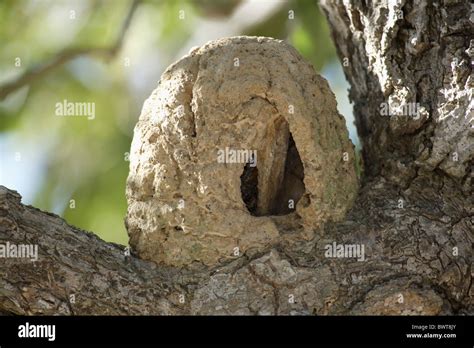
{"x": 311, "y": 35}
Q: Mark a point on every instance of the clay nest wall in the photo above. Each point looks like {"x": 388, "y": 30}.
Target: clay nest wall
{"x": 239, "y": 147}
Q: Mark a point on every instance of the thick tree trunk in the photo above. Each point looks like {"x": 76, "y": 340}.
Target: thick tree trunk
{"x": 413, "y": 215}
{"x": 416, "y": 54}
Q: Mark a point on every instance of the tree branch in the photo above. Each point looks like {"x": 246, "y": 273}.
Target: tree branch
{"x": 76, "y": 272}
{"x": 37, "y": 72}
{"x": 409, "y": 266}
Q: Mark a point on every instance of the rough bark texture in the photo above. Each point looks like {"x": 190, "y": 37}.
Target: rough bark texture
{"x": 414, "y": 213}
{"x": 398, "y": 53}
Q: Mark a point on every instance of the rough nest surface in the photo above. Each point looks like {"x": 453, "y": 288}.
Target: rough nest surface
{"x": 240, "y": 94}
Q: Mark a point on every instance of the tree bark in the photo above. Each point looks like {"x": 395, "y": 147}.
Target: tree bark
{"x": 414, "y": 53}
{"x": 414, "y": 214}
